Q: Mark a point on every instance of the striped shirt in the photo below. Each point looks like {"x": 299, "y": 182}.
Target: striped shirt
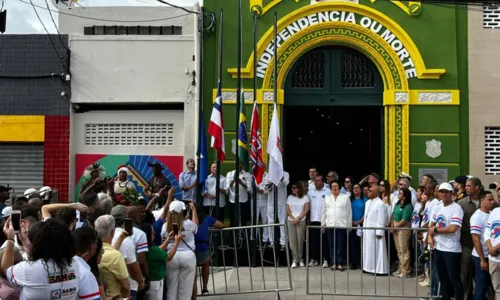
{"x": 478, "y": 223}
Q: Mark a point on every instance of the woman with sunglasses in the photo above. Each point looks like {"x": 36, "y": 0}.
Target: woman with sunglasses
{"x": 297, "y": 206}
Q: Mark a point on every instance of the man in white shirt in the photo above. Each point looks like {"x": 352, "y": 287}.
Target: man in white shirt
{"x": 444, "y": 235}
{"x": 85, "y": 241}
{"x": 209, "y": 194}
{"x": 244, "y": 188}
{"x": 127, "y": 249}
{"x": 282, "y": 196}
{"x": 492, "y": 241}
{"x": 374, "y": 244}
{"x": 316, "y": 198}
{"x": 262, "y": 195}
{"x": 478, "y": 223}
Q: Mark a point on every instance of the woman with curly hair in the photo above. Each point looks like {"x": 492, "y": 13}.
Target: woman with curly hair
{"x": 51, "y": 271}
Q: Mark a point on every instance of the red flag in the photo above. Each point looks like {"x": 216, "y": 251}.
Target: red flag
{"x": 256, "y": 146}
{"x": 216, "y": 127}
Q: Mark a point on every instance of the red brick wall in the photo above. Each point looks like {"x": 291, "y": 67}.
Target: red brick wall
{"x": 56, "y": 155}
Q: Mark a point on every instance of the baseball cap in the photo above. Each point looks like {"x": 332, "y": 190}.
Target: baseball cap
{"x": 28, "y": 192}
{"x": 45, "y": 189}
{"x": 7, "y": 211}
{"x": 177, "y": 206}
{"x": 119, "y": 212}
{"x": 5, "y": 188}
{"x": 462, "y": 179}
{"x": 445, "y": 186}
{"x": 405, "y": 175}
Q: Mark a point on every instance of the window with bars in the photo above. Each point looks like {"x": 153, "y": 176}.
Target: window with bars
{"x": 492, "y": 150}
{"x": 310, "y": 72}
{"x": 356, "y": 71}
{"x": 491, "y": 16}
{"x": 160, "y": 134}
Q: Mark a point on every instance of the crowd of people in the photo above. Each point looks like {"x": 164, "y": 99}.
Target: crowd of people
{"x": 106, "y": 246}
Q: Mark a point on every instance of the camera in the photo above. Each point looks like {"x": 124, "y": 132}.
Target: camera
{"x": 493, "y": 186}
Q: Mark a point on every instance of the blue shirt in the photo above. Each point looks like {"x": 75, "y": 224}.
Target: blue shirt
{"x": 358, "y": 209}
{"x": 201, "y": 237}
{"x": 157, "y": 225}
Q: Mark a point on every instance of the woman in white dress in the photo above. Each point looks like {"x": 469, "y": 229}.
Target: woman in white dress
{"x": 122, "y": 183}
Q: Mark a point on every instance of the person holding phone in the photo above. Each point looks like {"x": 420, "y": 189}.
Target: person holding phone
{"x": 51, "y": 258}
{"x": 157, "y": 257}
{"x": 182, "y": 268}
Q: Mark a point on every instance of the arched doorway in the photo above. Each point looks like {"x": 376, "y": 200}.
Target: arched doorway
{"x": 333, "y": 114}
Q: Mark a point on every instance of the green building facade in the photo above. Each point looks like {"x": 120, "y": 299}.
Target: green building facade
{"x": 404, "y": 61}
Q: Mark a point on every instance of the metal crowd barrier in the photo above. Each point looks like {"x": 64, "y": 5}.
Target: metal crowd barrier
{"x": 228, "y": 277}
{"x": 360, "y": 283}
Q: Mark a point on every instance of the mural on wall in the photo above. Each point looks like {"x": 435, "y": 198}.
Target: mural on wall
{"x": 140, "y": 172}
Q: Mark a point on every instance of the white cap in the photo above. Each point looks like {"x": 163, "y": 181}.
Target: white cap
{"x": 445, "y": 186}
{"x": 6, "y": 212}
{"x": 177, "y": 206}
{"x": 29, "y": 192}
{"x": 45, "y": 189}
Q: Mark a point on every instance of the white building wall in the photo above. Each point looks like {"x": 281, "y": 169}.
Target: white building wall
{"x": 132, "y": 69}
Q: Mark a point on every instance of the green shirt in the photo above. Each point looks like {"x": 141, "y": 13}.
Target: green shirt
{"x": 157, "y": 260}
{"x": 400, "y": 213}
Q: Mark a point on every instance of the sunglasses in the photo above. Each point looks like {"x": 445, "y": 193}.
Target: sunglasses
{"x": 382, "y": 185}
{"x": 347, "y": 181}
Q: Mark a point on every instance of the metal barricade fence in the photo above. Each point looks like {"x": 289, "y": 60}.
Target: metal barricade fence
{"x": 231, "y": 248}
{"x": 367, "y": 284}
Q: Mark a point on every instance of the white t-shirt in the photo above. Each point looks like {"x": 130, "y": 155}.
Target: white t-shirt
{"x": 316, "y": 198}
{"x": 415, "y": 217}
{"x": 140, "y": 241}
{"x": 127, "y": 249}
{"x": 478, "y": 223}
{"x": 492, "y": 231}
{"x": 297, "y": 206}
{"x": 188, "y": 232}
{"x": 45, "y": 281}
{"x": 89, "y": 289}
{"x": 445, "y": 216}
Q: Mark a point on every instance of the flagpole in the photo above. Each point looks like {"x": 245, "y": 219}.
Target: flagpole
{"x": 217, "y": 182}
{"x": 275, "y": 194}
{"x": 236, "y": 176}
{"x": 255, "y": 216}
{"x": 200, "y": 108}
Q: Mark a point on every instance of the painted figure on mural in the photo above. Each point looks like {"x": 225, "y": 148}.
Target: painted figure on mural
{"x": 95, "y": 174}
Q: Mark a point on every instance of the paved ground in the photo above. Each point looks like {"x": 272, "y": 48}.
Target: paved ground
{"x": 334, "y": 283}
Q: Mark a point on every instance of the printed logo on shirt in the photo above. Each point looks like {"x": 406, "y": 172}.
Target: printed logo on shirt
{"x": 415, "y": 217}
{"x": 69, "y": 292}
{"x": 441, "y": 221}
{"x": 495, "y": 229}
{"x": 66, "y": 276}
{"x": 425, "y": 217}
{"x": 55, "y": 295}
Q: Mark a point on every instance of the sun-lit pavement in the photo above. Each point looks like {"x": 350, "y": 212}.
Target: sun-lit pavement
{"x": 347, "y": 282}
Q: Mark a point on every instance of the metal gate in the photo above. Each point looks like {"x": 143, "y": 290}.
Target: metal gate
{"x": 21, "y": 166}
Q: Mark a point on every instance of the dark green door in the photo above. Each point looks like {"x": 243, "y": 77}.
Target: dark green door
{"x": 333, "y": 114}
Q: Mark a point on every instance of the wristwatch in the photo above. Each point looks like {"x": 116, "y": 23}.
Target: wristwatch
{"x": 435, "y": 230}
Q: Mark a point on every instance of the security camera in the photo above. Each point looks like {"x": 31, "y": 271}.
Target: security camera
{"x": 67, "y": 77}
{"x": 63, "y": 94}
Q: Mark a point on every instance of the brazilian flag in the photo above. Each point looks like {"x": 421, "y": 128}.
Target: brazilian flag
{"x": 242, "y": 134}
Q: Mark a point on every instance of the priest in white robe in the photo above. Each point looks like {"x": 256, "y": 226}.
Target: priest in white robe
{"x": 374, "y": 243}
